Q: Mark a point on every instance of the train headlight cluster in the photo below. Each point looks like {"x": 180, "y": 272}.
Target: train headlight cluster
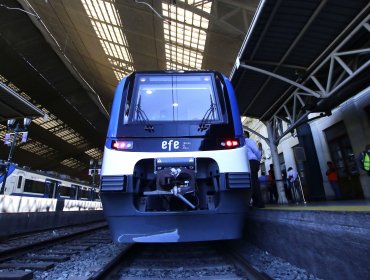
{"x": 122, "y": 145}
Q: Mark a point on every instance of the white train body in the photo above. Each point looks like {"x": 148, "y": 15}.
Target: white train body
{"x": 36, "y": 191}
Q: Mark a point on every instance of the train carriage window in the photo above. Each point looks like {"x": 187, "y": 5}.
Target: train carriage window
{"x": 32, "y": 186}
{"x": 84, "y": 194}
{"x": 175, "y": 98}
{"x": 64, "y": 191}
{"x": 20, "y": 179}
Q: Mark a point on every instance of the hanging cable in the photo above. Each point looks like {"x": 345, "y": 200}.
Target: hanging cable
{"x": 94, "y": 93}
{"x": 154, "y": 11}
{"x": 24, "y": 11}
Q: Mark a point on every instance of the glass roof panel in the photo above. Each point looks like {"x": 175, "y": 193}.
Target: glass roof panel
{"x": 38, "y": 148}
{"x": 94, "y": 153}
{"x": 185, "y": 34}
{"x": 55, "y": 126}
{"x": 108, "y": 27}
{"x": 73, "y": 163}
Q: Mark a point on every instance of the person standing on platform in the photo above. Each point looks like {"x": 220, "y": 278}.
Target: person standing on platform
{"x": 254, "y": 157}
{"x": 294, "y": 185}
{"x": 285, "y": 180}
{"x": 273, "y": 187}
{"x": 364, "y": 159}
{"x": 333, "y": 180}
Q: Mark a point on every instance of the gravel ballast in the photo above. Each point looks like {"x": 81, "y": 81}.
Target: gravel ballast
{"x": 85, "y": 264}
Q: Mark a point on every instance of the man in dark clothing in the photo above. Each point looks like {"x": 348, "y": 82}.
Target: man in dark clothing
{"x": 273, "y": 187}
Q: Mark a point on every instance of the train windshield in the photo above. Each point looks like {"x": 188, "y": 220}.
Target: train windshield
{"x": 163, "y": 98}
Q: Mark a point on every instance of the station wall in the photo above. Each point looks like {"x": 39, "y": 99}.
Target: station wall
{"x": 339, "y": 138}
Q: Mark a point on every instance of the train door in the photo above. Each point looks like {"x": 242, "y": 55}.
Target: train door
{"x": 73, "y": 192}
{"x": 51, "y": 187}
{"x": 345, "y": 162}
{"x": 16, "y": 183}
{"x": 78, "y": 192}
{"x": 94, "y": 194}
{"x": 84, "y": 193}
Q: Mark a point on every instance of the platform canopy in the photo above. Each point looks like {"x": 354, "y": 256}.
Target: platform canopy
{"x": 301, "y": 57}
{"x": 67, "y": 57}
{"x": 14, "y": 106}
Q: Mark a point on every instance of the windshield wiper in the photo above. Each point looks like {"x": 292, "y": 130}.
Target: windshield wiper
{"x": 209, "y": 115}
{"x": 142, "y": 117}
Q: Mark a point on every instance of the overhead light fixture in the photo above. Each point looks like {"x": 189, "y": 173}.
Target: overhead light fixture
{"x": 27, "y": 122}
{"x": 11, "y": 123}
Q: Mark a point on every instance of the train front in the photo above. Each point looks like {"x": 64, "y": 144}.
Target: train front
{"x": 175, "y": 166}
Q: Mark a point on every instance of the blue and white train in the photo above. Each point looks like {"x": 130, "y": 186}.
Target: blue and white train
{"x": 39, "y": 184}
{"x": 175, "y": 166}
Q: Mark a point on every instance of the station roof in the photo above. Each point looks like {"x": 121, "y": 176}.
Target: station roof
{"x": 14, "y": 106}
{"x": 292, "y": 39}
{"x": 66, "y": 58}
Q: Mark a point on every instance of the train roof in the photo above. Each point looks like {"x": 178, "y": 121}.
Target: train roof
{"x": 174, "y": 72}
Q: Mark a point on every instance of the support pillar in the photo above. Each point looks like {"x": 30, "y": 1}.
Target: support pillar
{"x": 275, "y": 160}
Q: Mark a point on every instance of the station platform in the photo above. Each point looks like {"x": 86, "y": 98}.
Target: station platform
{"x": 335, "y": 205}
{"x": 330, "y": 239}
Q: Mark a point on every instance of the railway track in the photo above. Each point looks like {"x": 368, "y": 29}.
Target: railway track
{"x": 21, "y": 256}
{"x": 178, "y": 261}
{"x": 48, "y": 258}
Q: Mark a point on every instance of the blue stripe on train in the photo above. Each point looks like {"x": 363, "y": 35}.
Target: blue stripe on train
{"x": 10, "y": 171}
{"x": 113, "y": 124}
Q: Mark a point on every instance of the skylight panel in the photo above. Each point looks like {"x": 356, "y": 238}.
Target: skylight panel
{"x": 38, "y": 148}
{"x": 108, "y": 27}
{"x": 185, "y": 35}
{"x": 94, "y": 153}
{"x": 73, "y": 163}
{"x": 2, "y": 132}
{"x": 53, "y": 125}
{"x": 58, "y": 128}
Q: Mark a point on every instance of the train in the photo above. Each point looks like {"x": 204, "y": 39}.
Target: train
{"x": 22, "y": 181}
{"x": 175, "y": 166}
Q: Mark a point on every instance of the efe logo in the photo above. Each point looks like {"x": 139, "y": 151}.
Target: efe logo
{"x": 169, "y": 144}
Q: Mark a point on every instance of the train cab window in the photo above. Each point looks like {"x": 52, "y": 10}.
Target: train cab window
{"x": 32, "y": 186}
{"x": 20, "y": 179}
{"x": 175, "y": 98}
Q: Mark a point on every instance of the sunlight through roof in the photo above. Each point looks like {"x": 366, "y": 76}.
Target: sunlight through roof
{"x": 185, "y": 35}
{"x": 73, "y": 163}
{"x": 55, "y": 126}
{"x": 108, "y": 27}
